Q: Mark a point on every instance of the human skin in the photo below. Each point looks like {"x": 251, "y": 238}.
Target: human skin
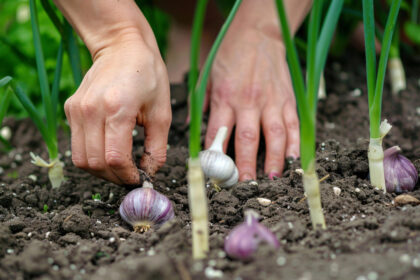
{"x": 128, "y": 85}
{"x": 250, "y": 87}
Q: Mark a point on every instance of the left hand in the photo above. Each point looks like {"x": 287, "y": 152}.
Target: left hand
{"x": 250, "y": 87}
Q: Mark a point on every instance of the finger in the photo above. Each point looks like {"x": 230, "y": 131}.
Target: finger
{"x": 118, "y": 148}
{"x": 94, "y": 132}
{"x": 246, "y": 143}
{"x": 275, "y": 142}
{"x": 78, "y": 154}
{"x": 291, "y": 122}
{"x": 221, "y": 115}
{"x": 156, "y": 129}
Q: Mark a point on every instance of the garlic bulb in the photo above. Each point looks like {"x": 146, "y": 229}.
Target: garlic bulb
{"x": 244, "y": 239}
{"x": 400, "y": 173}
{"x": 144, "y": 207}
{"x": 216, "y": 165}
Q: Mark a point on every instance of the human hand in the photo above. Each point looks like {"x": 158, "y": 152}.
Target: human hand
{"x": 250, "y": 87}
{"x": 127, "y": 84}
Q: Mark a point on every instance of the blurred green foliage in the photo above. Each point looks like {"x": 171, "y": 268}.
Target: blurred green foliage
{"x": 17, "y": 53}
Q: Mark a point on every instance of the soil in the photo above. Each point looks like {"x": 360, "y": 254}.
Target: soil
{"x": 368, "y": 235}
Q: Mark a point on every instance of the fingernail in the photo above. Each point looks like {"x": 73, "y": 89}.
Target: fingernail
{"x": 246, "y": 177}
{"x": 273, "y": 174}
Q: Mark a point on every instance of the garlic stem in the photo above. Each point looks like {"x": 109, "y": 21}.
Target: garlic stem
{"x": 198, "y": 208}
{"x": 311, "y": 186}
{"x": 397, "y": 75}
{"x": 376, "y": 158}
{"x": 217, "y": 144}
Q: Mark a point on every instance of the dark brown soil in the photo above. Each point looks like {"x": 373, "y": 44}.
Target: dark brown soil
{"x": 368, "y": 237}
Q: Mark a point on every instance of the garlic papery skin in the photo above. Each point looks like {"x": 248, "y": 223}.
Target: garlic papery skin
{"x": 243, "y": 241}
{"x": 55, "y": 169}
{"x": 400, "y": 173}
{"x": 216, "y": 165}
{"x": 376, "y": 157}
{"x": 144, "y": 207}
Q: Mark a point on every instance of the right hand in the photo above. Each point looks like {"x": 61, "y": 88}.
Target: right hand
{"x": 127, "y": 84}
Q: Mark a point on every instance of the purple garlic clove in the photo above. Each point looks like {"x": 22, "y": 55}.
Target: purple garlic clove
{"x": 400, "y": 173}
{"x": 243, "y": 240}
{"x": 144, "y": 207}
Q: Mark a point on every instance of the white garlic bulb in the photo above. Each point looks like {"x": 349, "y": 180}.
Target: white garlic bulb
{"x": 216, "y": 165}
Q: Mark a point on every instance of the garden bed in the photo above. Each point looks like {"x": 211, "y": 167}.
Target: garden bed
{"x": 368, "y": 236}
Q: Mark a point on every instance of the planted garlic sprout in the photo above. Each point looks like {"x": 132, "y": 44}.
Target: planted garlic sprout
{"x": 243, "y": 241}
{"x": 144, "y": 208}
{"x": 400, "y": 173}
{"x": 216, "y": 165}
{"x": 375, "y": 84}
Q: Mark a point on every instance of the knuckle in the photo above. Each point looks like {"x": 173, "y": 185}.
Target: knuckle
{"x": 292, "y": 123}
{"x": 88, "y": 108}
{"x": 276, "y": 129}
{"x": 96, "y": 164}
{"x": 79, "y": 161}
{"x": 247, "y": 135}
{"x": 252, "y": 93}
{"x": 115, "y": 159}
{"x": 113, "y": 102}
{"x": 222, "y": 91}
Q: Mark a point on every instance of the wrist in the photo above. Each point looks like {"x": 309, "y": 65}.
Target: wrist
{"x": 103, "y": 24}
{"x": 262, "y": 15}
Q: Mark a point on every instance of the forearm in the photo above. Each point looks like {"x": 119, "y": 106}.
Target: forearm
{"x": 262, "y": 14}
{"x": 105, "y": 22}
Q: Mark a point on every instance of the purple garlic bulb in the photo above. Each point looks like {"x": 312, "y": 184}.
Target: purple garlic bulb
{"x": 144, "y": 207}
{"x": 244, "y": 239}
{"x": 400, "y": 173}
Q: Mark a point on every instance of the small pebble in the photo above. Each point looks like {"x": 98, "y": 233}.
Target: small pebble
{"x": 357, "y": 190}
{"x": 329, "y": 125}
{"x": 135, "y": 133}
{"x": 356, "y": 92}
{"x": 253, "y": 183}
{"x": 73, "y": 266}
{"x": 213, "y": 273}
{"x": 198, "y": 266}
{"x": 98, "y": 222}
{"x": 30, "y": 234}
{"x": 263, "y": 201}
{"x": 168, "y": 147}
{"x": 47, "y": 234}
{"x": 373, "y": 275}
{"x": 18, "y": 157}
{"x": 299, "y": 171}
{"x": 151, "y": 252}
{"x": 33, "y": 177}
{"x": 10, "y": 251}
{"x": 416, "y": 262}
{"x": 337, "y": 191}
{"x": 67, "y": 153}
{"x": 281, "y": 261}
{"x": 112, "y": 239}
{"x": 50, "y": 260}
{"x": 221, "y": 254}
{"x": 290, "y": 225}
{"x": 6, "y": 133}
{"x": 212, "y": 263}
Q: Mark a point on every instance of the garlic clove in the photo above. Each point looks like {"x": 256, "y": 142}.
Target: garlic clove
{"x": 400, "y": 173}
{"x": 144, "y": 208}
{"x": 216, "y": 165}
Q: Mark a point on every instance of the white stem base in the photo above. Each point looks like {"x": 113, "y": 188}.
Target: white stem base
{"x": 376, "y": 163}
{"x": 322, "y": 92}
{"x": 55, "y": 169}
{"x": 397, "y": 75}
{"x": 311, "y": 185}
{"x": 198, "y": 209}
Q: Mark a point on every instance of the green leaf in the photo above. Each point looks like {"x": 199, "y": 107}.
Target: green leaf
{"x": 74, "y": 54}
{"x": 412, "y": 30}
{"x": 56, "y": 82}
{"x": 5, "y": 81}
{"x": 197, "y": 99}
